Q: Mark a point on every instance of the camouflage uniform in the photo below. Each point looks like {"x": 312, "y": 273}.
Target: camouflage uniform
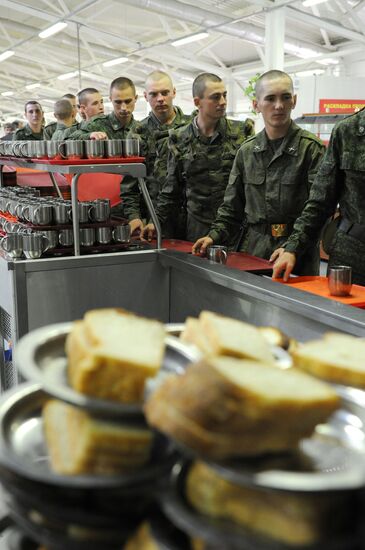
{"x": 49, "y": 130}
{"x": 26, "y": 134}
{"x": 198, "y": 169}
{"x": 151, "y": 134}
{"x": 104, "y": 123}
{"x": 74, "y": 128}
{"x": 340, "y": 179}
{"x": 59, "y": 132}
{"x": 270, "y": 187}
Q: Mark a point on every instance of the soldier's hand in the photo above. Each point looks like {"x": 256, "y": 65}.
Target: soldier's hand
{"x": 148, "y": 231}
{"x": 285, "y": 263}
{"x": 201, "y": 245}
{"x": 98, "y": 135}
{"x": 276, "y": 254}
{"x": 136, "y": 226}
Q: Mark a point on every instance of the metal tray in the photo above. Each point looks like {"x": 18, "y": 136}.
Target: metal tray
{"x": 223, "y": 533}
{"x": 23, "y": 449}
{"x": 40, "y": 357}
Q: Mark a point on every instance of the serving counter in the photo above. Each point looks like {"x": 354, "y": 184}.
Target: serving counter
{"x": 164, "y": 284}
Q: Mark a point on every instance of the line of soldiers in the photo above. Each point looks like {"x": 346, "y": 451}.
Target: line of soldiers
{"x": 212, "y": 181}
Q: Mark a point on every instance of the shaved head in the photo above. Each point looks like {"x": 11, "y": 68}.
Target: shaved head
{"x": 269, "y": 76}
{"x": 156, "y": 76}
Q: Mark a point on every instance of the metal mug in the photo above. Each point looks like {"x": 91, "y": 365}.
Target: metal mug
{"x": 41, "y": 149}
{"x": 66, "y": 237}
{"x": 52, "y": 237}
{"x": 42, "y": 214}
{"x": 61, "y": 212}
{"x": 87, "y": 236}
{"x": 84, "y": 209}
{"x": 94, "y": 149}
{"x": 113, "y": 148}
{"x": 217, "y": 254}
{"x": 122, "y": 233}
{"x": 130, "y": 147}
{"x": 12, "y": 244}
{"x": 71, "y": 150}
{"x": 34, "y": 244}
{"x": 103, "y": 235}
{"x": 340, "y": 280}
{"x": 100, "y": 210}
{"x": 53, "y": 149}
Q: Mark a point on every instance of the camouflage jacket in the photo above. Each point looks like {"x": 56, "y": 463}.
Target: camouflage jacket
{"x": 151, "y": 134}
{"x": 59, "y": 133}
{"x": 197, "y": 174}
{"x": 68, "y": 132}
{"x": 340, "y": 180}
{"x": 26, "y": 134}
{"x": 49, "y": 130}
{"x": 268, "y": 187}
{"x": 104, "y": 123}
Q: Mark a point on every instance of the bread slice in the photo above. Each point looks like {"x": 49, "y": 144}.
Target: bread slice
{"x": 336, "y": 357}
{"x": 275, "y": 337}
{"x": 80, "y": 444}
{"x": 224, "y": 407}
{"x": 112, "y": 352}
{"x": 288, "y": 517}
{"x": 235, "y": 338}
{"x": 193, "y": 334}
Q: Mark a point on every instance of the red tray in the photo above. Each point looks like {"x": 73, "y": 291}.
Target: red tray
{"x": 111, "y": 160}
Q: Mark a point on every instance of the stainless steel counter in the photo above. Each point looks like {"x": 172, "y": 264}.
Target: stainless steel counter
{"x": 164, "y": 284}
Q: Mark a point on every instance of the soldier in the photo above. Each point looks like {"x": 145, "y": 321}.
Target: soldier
{"x": 152, "y": 131}
{"x": 33, "y": 130}
{"x": 200, "y": 158}
{"x": 9, "y": 129}
{"x": 270, "y": 179}
{"x": 340, "y": 180}
{"x": 52, "y": 126}
{"x": 117, "y": 124}
{"x": 63, "y": 113}
{"x": 90, "y": 105}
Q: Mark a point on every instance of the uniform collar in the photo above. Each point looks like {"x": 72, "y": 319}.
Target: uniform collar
{"x": 290, "y": 143}
{"x": 29, "y": 132}
{"x": 219, "y": 131}
{"x": 156, "y": 122}
{"x": 116, "y": 124}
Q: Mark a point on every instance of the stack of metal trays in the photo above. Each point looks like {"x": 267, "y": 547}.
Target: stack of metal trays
{"x": 80, "y": 511}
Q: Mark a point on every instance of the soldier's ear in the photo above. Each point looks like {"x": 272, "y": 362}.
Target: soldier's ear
{"x": 196, "y": 101}
{"x": 255, "y": 105}
{"x": 145, "y": 96}
{"x": 294, "y": 100}
{"x": 174, "y": 92}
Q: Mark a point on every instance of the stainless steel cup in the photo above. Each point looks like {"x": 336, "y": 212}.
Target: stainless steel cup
{"x": 122, "y": 233}
{"x": 40, "y": 149}
{"x": 87, "y": 236}
{"x": 41, "y": 214}
{"x": 66, "y": 237}
{"x": 84, "y": 209}
{"x": 61, "y": 212}
{"x": 130, "y": 147}
{"x": 103, "y": 235}
{"x": 52, "y": 237}
{"x": 217, "y": 254}
{"x": 100, "y": 210}
{"x": 53, "y": 149}
{"x": 71, "y": 150}
{"x": 94, "y": 149}
{"x": 34, "y": 244}
{"x": 340, "y": 280}
{"x": 113, "y": 148}
{"x": 12, "y": 244}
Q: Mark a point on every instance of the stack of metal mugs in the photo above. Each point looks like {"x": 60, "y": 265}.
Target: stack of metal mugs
{"x": 71, "y": 150}
{"x": 31, "y": 225}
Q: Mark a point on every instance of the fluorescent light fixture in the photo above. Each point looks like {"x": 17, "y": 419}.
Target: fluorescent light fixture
{"x": 308, "y": 3}
{"x": 7, "y": 94}
{"x": 312, "y": 72}
{"x": 116, "y": 61}
{"x": 6, "y": 55}
{"x": 188, "y": 39}
{"x": 299, "y": 51}
{"x": 33, "y": 86}
{"x": 66, "y": 76}
{"x": 57, "y": 27}
{"x": 328, "y": 61}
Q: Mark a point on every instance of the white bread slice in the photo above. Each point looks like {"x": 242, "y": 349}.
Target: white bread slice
{"x": 223, "y": 407}
{"x": 288, "y": 517}
{"x": 193, "y": 334}
{"x": 80, "y": 444}
{"x": 336, "y": 357}
{"x": 275, "y": 337}
{"x": 112, "y": 352}
{"x": 235, "y": 338}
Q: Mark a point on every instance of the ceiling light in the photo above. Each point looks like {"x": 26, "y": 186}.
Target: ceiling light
{"x": 308, "y": 3}
{"x": 116, "y": 61}
{"x": 7, "y": 94}
{"x": 191, "y": 38}
{"x": 52, "y": 30}
{"x": 33, "y": 86}
{"x": 299, "y": 51}
{"x": 328, "y": 61}
{"x": 66, "y": 76}
{"x": 6, "y": 55}
{"x": 312, "y": 72}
